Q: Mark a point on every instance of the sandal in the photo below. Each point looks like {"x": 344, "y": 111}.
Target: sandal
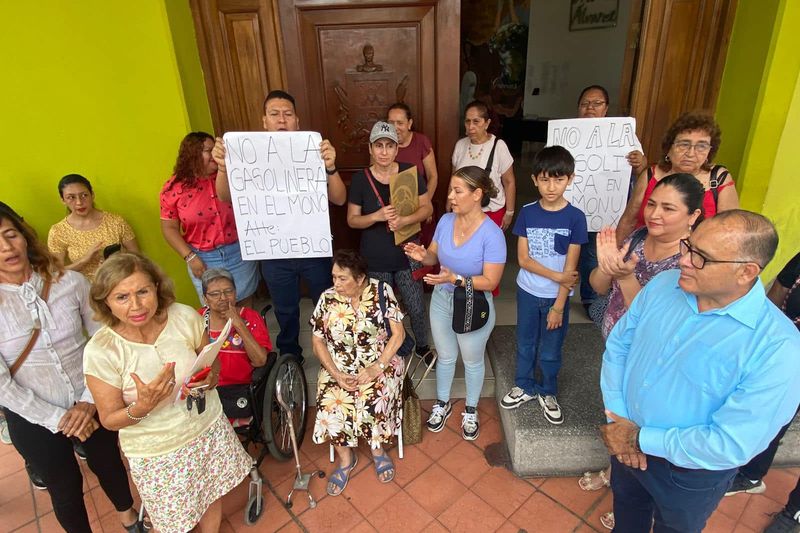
{"x": 594, "y": 480}
{"x": 607, "y": 519}
{"x": 340, "y": 477}
{"x": 136, "y": 527}
{"x": 383, "y": 464}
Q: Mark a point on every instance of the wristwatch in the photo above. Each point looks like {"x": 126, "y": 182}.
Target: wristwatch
{"x": 459, "y": 280}
{"x": 381, "y": 366}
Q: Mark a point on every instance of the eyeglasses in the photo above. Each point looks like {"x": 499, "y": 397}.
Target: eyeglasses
{"x": 216, "y": 295}
{"x": 74, "y": 197}
{"x": 698, "y": 260}
{"x": 684, "y": 146}
{"x": 593, "y": 104}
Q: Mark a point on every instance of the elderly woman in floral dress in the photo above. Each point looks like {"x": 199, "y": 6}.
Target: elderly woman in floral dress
{"x": 357, "y": 330}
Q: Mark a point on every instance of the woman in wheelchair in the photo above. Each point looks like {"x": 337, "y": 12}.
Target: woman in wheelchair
{"x": 360, "y": 378}
{"x": 246, "y": 348}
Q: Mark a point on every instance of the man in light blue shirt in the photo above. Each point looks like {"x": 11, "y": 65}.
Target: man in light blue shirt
{"x": 698, "y": 376}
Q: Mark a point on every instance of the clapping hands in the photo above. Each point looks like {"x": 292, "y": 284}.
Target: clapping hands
{"x": 612, "y": 260}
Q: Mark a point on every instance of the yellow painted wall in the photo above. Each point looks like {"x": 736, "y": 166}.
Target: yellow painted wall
{"x": 765, "y": 177}
{"x": 93, "y": 87}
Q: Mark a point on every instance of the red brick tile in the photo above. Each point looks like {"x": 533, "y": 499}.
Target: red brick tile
{"x": 540, "y": 513}
{"x": 366, "y": 493}
{"x": 48, "y": 522}
{"x": 273, "y": 517}
{"x": 413, "y": 464}
{"x": 225, "y": 526}
{"x": 332, "y": 514}
{"x": 101, "y": 502}
{"x": 31, "y": 527}
{"x": 10, "y": 463}
{"x": 437, "y": 444}
{"x": 454, "y": 421}
{"x": 757, "y": 514}
{"x": 435, "y": 490}
{"x": 469, "y": 513}
{"x": 779, "y": 484}
{"x": 601, "y": 507}
{"x": 741, "y": 528}
{"x": 586, "y": 528}
{"x": 14, "y": 485}
{"x": 405, "y": 515}
{"x": 535, "y": 481}
{"x": 503, "y": 490}
{"x": 465, "y": 462}
{"x": 43, "y": 504}
{"x": 508, "y": 527}
{"x": 491, "y": 433}
{"x": 317, "y": 488}
{"x": 16, "y": 512}
{"x": 733, "y": 506}
{"x": 363, "y": 527}
{"x": 566, "y": 491}
{"x": 719, "y": 523}
{"x": 89, "y": 478}
{"x": 488, "y": 408}
{"x": 278, "y": 471}
{"x": 291, "y": 527}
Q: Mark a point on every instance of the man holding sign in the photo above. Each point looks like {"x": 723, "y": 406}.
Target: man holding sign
{"x": 283, "y": 275}
{"x": 605, "y": 149}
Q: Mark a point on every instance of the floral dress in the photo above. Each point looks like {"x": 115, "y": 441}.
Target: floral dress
{"x": 644, "y": 271}
{"x": 355, "y": 339}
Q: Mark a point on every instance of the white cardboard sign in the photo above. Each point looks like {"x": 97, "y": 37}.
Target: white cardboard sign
{"x": 279, "y": 192}
{"x": 602, "y": 174}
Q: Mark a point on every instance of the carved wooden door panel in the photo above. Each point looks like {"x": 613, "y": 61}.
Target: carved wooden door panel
{"x": 347, "y": 62}
{"x": 681, "y": 57}
{"x": 241, "y": 52}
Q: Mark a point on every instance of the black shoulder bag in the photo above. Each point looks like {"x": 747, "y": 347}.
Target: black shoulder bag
{"x": 470, "y": 308}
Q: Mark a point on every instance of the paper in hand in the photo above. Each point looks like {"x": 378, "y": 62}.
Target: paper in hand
{"x": 207, "y": 356}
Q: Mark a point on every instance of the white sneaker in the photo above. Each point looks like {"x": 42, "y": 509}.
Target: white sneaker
{"x": 469, "y": 424}
{"x": 439, "y": 415}
{"x": 5, "y": 438}
{"x": 515, "y": 397}
{"x": 551, "y": 409}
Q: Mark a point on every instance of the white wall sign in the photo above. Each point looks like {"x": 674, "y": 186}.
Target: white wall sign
{"x": 279, "y": 191}
{"x": 602, "y": 174}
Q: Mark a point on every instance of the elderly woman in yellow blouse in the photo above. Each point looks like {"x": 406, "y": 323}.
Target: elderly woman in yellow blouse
{"x": 80, "y": 239}
{"x": 182, "y": 461}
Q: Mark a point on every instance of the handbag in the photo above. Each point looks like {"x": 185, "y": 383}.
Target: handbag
{"x": 470, "y": 308}
{"x": 412, "y": 413}
{"x": 34, "y": 336}
{"x": 408, "y": 342}
{"x": 235, "y": 400}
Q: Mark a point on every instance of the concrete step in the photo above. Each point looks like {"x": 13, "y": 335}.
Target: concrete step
{"x": 538, "y": 448}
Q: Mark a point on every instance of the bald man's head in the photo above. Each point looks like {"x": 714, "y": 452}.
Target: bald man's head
{"x": 753, "y": 235}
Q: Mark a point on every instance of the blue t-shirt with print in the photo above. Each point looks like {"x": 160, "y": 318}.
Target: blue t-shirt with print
{"x": 486, "y": 245}
{"x": 549, "y": 234}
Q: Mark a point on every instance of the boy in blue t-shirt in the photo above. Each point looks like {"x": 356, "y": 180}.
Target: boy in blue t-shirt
{"x": 551, "y": 232}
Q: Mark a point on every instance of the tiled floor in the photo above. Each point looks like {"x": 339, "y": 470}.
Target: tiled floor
{"x": 442, "y": 484}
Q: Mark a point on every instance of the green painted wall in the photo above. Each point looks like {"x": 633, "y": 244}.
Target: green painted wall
{"x": 747, "y": 55}
{"x": 765, "y": 177}
{"x": 93, "y": 87}
{"x": 181, "y": 26}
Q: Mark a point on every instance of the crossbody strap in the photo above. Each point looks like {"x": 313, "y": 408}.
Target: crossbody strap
{"x": 491, "y": 157}
{"x": 375, "y": 190}
{"x": 34, "y": 336}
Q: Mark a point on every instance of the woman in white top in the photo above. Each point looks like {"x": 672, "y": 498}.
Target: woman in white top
{"x": 476, "y": 149}
{"x": 46, "y": 401}
{"x": 182, "y": 460}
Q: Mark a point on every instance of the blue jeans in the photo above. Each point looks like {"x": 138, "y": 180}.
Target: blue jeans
{"x": 283, "y": 280}
{"x": 679, "y": 499}
{"x": 229, "y": 257}
{"x": 538, "y": 345}
{"x": 586, "y": 263}
{"x": 448, "y": 343}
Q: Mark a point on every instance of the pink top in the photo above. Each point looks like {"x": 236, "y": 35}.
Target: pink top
{"x": 207, "y": 222}
{"x": 417, "y": 150}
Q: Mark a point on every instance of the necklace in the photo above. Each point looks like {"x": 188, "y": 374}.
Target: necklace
{"x": 476, "y": 156}
{"x": 468, "y": 228}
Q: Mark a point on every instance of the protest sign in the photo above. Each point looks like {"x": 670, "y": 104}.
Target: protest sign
{"x": 404, "y": 190}
{"x": 279, "y": 192}
{"x": 602, "y": 174}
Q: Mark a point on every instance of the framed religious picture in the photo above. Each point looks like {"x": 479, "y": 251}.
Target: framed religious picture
{"x": 593, "y": 14}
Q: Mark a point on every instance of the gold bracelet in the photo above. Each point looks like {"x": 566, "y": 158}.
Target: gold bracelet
{"x": 557, "y": 311}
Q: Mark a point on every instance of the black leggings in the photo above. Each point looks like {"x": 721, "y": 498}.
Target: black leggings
{"x": 412, "y": 295}
{"x": 51, "y": 456}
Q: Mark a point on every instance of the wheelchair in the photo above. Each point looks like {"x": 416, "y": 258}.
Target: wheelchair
{"x": 270, "y": 428}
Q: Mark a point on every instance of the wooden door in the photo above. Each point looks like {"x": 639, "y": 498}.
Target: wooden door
{"x": 242, "y": 55}
{"x": 349, "y": 61}
{"x": 681, "y": 54}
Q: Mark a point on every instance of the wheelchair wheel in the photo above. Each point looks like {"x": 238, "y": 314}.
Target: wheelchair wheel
{"x": 276, "y": 422}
